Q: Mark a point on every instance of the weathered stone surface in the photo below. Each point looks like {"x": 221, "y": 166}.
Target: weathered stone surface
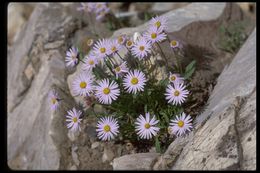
{"x": 224, "y": 137}
{"x": 139, "y": 161}
{"x": 37, "y": 137}
{"x": 18, "y": 14}
{"x": 163, "y": 7}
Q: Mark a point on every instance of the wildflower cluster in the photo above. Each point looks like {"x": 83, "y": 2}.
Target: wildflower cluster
{"x": 139, "y": 106}
{"x": 99, "y": 9}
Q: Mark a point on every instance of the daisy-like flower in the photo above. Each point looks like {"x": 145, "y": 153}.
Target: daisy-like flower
{"x": 155, "y": 34}
{"x": 134, "y": 81}
{"x": 107, "y": 128}
{"x": 141, "y": 48}
{"x": 89, "y": 62}
{"x": 146, "y": 127}
{"x": 175, "y": 79}
{"x": 54, "y": 99}
{"x": 73, "y": 119}
{"x": 174, "y": 44}
{"x": 107, "y": 92}
{"x": 87, "y": 7}
{"x": 159, "y": 22}
{"x": 82, "y": 84}
{"x": 129, "y": 43}
{"x": 101, "y": 48}
{"x": 121, "y": 39}
{"x": 113, "y": 47}
{"x": 100, "y": 7}
{"x": 181, "y": 124}
{"x": 119, "y": 70}
{"x": 177, "y": 94}
{"x": 72, "y": 57}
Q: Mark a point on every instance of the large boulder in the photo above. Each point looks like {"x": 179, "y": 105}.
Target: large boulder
{"x": 37, "y": 137}
{"x": 224, "y": 137}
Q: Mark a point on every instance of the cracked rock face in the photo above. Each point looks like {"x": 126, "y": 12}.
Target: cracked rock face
{"x": 225, "y": 137}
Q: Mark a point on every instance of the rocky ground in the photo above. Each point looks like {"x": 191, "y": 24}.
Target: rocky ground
{"x": 224, "y": 135}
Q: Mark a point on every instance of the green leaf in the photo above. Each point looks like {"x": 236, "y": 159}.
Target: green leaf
{"x": 157, "y": 145}
{"x": 166, "y": 118}
{"x": 187, "y": 75}
{"x": 145, "y": 108}
{"x": 190, "y": 66}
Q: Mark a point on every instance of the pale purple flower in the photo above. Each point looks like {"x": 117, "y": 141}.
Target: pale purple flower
{"x": 54, "y": 99}
{"x": 177, "y": 94}
{"x": 121, "y": 69}
{"x": 146, "y": 127}
{"x": 83, "y": 84}
{"x": 121, "y": 39}
{"x": 181, "y": 124}
{"x": 129, "y": 43}
{"x": 72, "y": 57}
{"x": 102, "y": 13}
{"x": 175, "y": 44}
{"x": 134, "y": 81}
{"x": 155, "y": 34}
{"x": 89, "y": 62}
{"x": 159, "y": 22}
{"x": 141, "y": 48}
{"x": 175, "y": 78}
{"x": 87, "y": 7}
{"x": 100, "y": 7}
{"x": 73, "y": 119}
{"x": 101, "y": 48}
{"x": 107, "y": 128}
{"x": 113, "y": 46}
{"x": 107, "y": 92}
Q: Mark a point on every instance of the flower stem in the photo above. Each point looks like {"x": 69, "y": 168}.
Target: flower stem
{"x": 119, "y": 56}
{"x": 163, "y": 56}
{"x": 176, "y": 58}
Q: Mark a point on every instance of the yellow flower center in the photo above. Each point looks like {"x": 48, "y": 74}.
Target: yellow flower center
{"x": 106, "y": 91}
{"x": 141, "y": 48}
{"x": 83, "y": 84}
{"x": 120, "y": 39}
{"x": 53, "y": 100}
{"x": 158, "y": 24}
{"x": 102, "y": 50}
{"x": 91, "y": 62}
{"x": 113, "y": 49}
{"x": 118, "y": 69}
{"x": 129, "y": 43}
{"x": 176, "y": 93}
{"x": 106, "y": 128}
{"x": 180, "y": 123}
{"x": 153, "y": 35}
{"x": 147, "y": 125}
{"x": 173, "y": 78}
{"x": 75, "y": 119}
{"x": 134, "y": 81}
{"x": 173, "y": 42}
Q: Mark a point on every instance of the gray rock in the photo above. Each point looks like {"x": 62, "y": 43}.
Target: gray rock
{"x": 95, "y": 145}
{"x": 37, "y": 136}
{"x": 163, "y": 7}
{"x": 108, "y": 155}
{"x": 139, "y": 161}
{"x": 75, "y": 155}
{"x": 224, "y": 137}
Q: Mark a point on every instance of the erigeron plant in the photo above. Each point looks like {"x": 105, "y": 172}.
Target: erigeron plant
{"x": 139, "y": 106}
